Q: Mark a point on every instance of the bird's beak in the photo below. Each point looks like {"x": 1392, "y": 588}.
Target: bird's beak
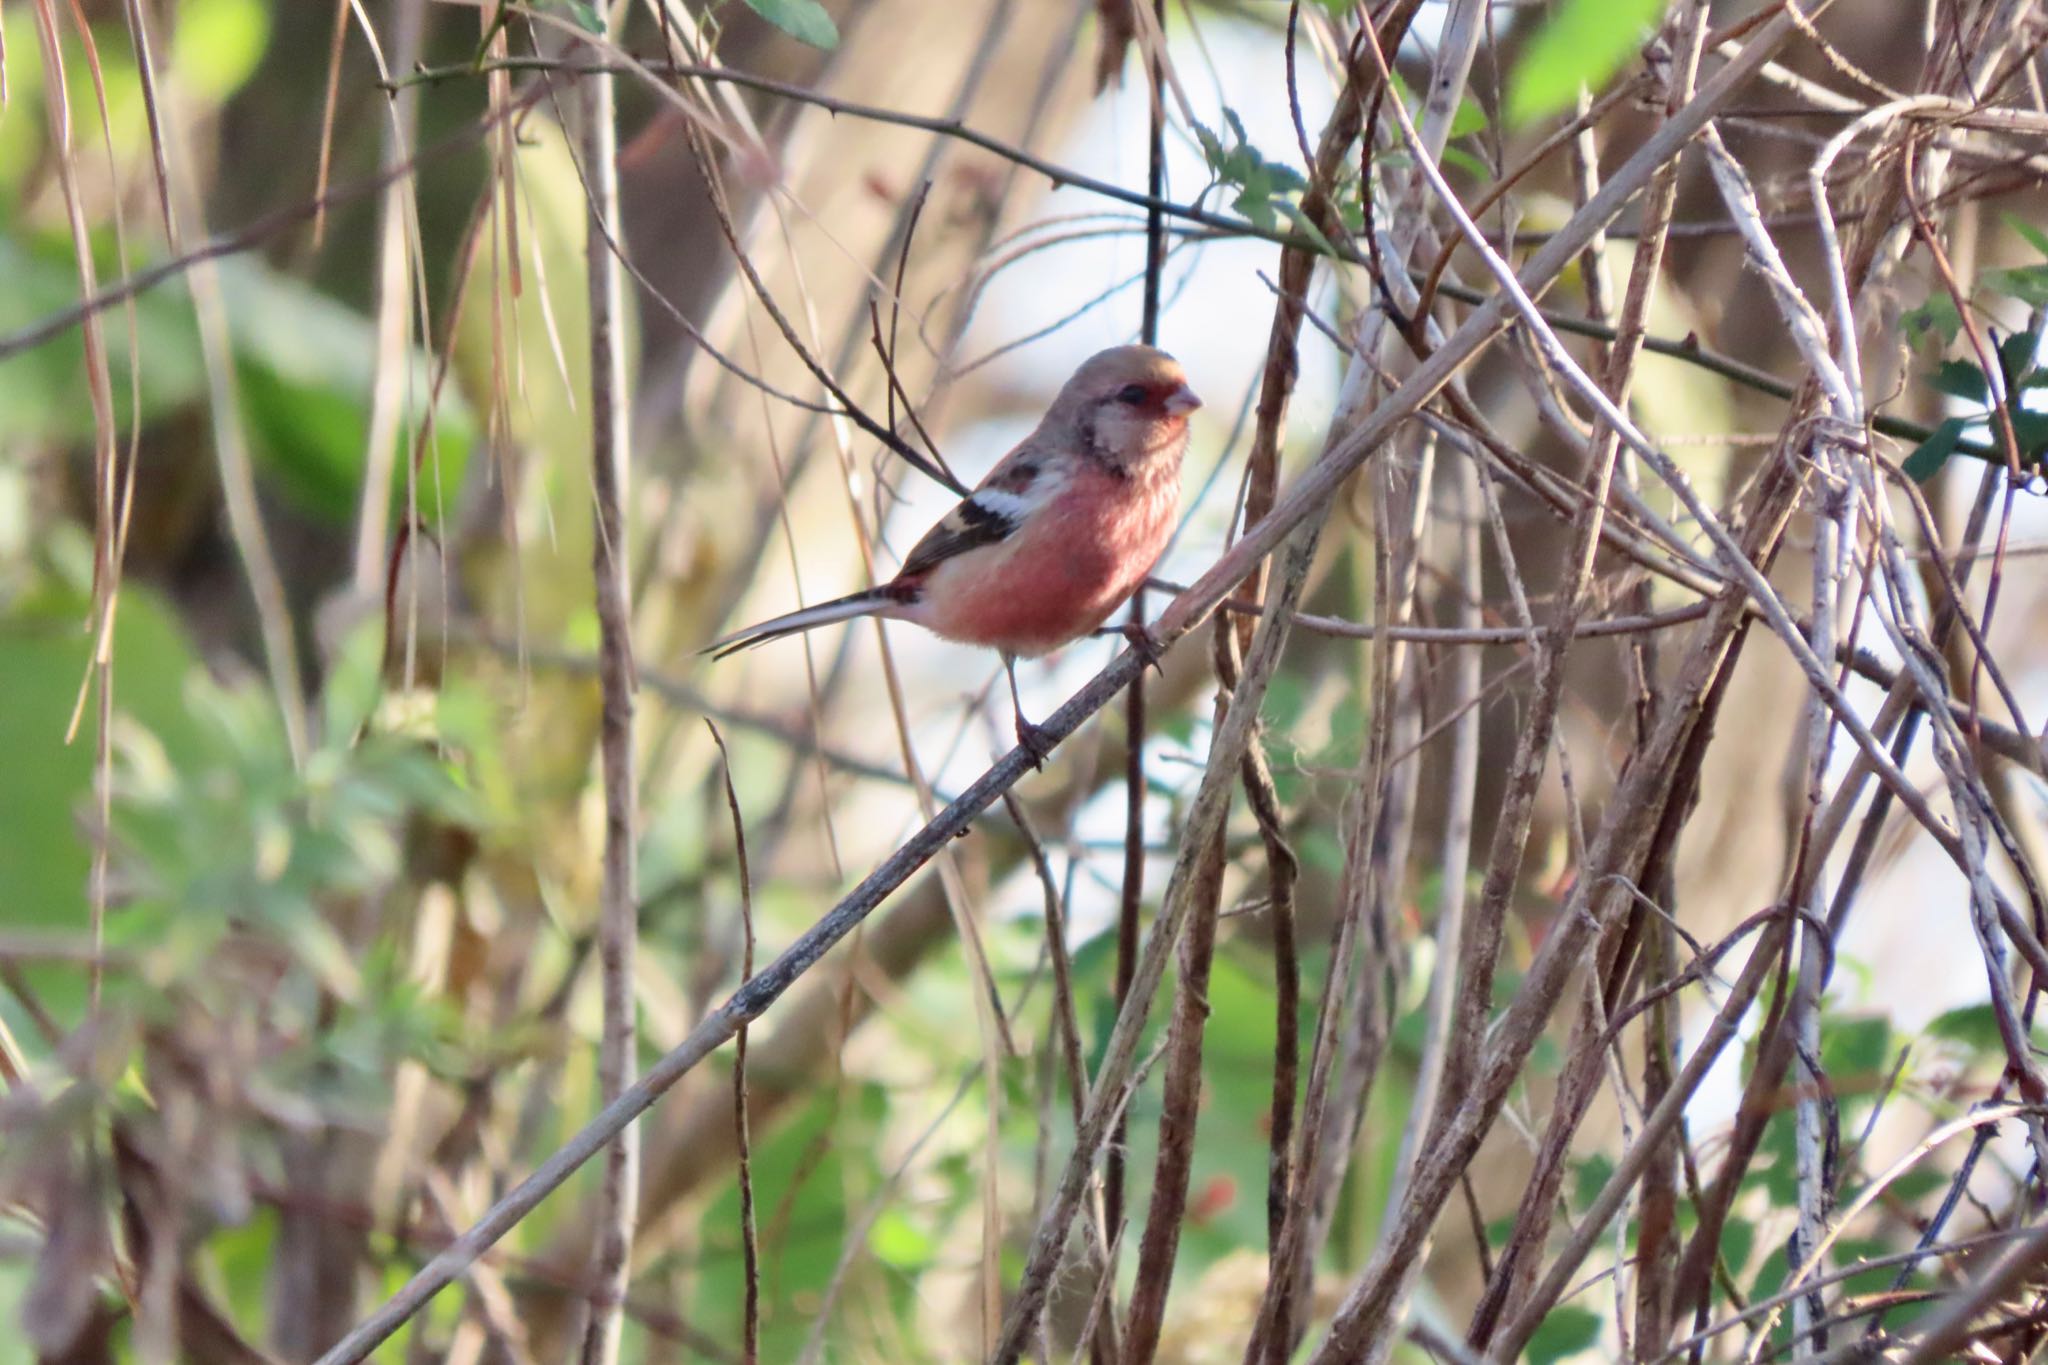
{"x": 1181, "y": 401}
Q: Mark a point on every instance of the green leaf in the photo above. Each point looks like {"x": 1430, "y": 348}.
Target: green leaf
{"x": 2027, "y": 283}
{"x": 2035, "y": 237}
{"x": 1961, "y": 379}
{"x": 1916, "y": 1184}
{"x": 1564, "y": 1331}
{"x": 1307, "y": 228}
{"x": 1468, "y": 119}
{"x": 1856, "y": 1045}
{"x": 1283, "y": 177}
{"x": 2017, "y": 352}
{"x": 804, "y": 20}
{"x": 1466, "y": 162}
{"x": 1257, "y": 209}
{"x": 1589, "y": 1177}
{"x": 1931, "y": 454}
{"x": 586, "y": 16}
{"x": 1738, "y": 1238}
{"x": 43, "y": 390}
{"x": 305, "y": 364}
{"x": 2032, "y": 430}
{"x": 45, "y": 856}
{"x": 1583, "y": 43}
{"x": 1974, "y": 1026}
{"x": 216, "y": 45}
{"x": 1936, "y": 317}
{"x": 897, "y": 1242}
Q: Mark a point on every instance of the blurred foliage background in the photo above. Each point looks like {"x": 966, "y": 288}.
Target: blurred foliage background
{"x": 300, "y": 812}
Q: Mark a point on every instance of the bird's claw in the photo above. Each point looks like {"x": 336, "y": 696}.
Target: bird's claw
{"x": 1146, "y": 646}
{"x": 1036, "y": 741}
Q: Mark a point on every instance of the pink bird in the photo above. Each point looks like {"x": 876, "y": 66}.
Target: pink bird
{"x": 1057, "y": 536}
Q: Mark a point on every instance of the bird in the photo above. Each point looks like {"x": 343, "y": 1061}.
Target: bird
{"x": 1058, "y": 534}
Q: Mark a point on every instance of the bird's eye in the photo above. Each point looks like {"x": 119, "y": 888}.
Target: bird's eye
{"x": 1133, "y": 393}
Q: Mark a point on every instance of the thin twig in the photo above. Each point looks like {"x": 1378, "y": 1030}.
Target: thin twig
{"x": 750, "y": 1254}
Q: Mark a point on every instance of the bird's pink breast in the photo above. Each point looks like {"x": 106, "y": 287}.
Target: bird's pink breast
{"x": 1059, "y": 575}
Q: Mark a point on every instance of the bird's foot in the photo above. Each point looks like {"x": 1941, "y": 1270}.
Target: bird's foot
{"x": 1036, "y": 740}
{"x": 1146, "y": 645}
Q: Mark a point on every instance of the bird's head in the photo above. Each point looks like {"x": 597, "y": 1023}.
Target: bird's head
{"x": 1128, "y": 407}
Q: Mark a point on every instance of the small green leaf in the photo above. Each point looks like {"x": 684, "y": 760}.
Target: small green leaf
{"x": 1738, "y": 1238}
{"x": 586, "y": 16}
{"x": 1974, "y": 1026}
{"x": 1468, "y": 119}
{"x": 2032, "y": 430}
{"x": 804, "y": 20}
{"x": 1583, "y": 43}
{"x": 1916, "y": 1184}
{"x": 1937, "y": 317}
{"x": 2027, "y": 283}
{"x": 1285, "y": 178}
{"x": 1306, "y": 226}
{"x": 896, "y": 1242}
{"x": 1931, "y": 454}
{"x": 1466, "y": 162}
{"x": 1589, "y": 1177}
{"x": 2035, "y": 237}
{"x": 1856, "y": 1045}
{"x": 217, "y": 44}
{"x": 1961, "y": 379}
{"x": 2017, "y": 352}
{"x": 1564, "y": 1331}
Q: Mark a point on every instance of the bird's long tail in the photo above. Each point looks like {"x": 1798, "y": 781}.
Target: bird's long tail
{"x": 824, "y": 613}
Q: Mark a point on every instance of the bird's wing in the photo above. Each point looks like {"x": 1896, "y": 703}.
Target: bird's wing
{"x": 1013, "y": 490}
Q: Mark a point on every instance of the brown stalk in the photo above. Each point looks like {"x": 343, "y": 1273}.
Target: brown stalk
{"x": 1101, "y": 1332}
{"x": 1283, "y": 870}
{"x": 1282, "y": 365}
{"x": 114, "y": 497}
{"x": 328, "y": 108}
{"x": 1577, "y": 1087}
{"x": 750, "y": 1254}
{"x": 1658, "y": 1125}
{"x": 398, "y": 269}
{"x": 1131, "y": 892}
{"x": 618, "y": 922}
{"x": 1177, "y": 1121}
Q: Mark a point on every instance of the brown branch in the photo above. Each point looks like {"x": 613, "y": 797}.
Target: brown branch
{"x": 1167, "y": 1212}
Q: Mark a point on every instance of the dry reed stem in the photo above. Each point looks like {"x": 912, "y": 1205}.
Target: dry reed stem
{"x": 618, "y": 911}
